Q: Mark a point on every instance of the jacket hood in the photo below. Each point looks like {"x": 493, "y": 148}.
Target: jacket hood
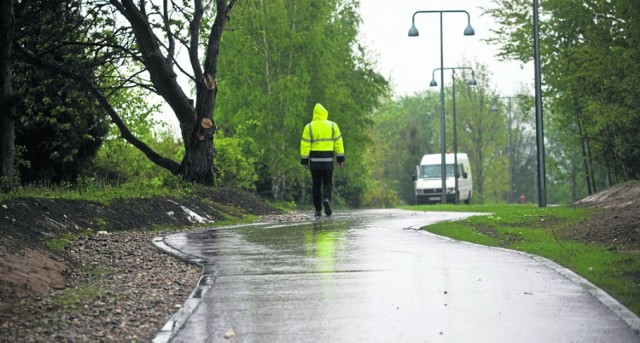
{"x": 320, "y": 113}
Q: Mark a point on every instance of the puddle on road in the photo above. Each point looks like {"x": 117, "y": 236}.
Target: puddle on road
{"x": 315, "y": 246}
{"x": 281, "y": 248}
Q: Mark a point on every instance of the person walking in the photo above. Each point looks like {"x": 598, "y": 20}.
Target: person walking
{"x": 321, "y": 141}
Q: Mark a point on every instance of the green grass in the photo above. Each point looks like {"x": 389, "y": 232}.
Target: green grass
{"x": 539, "y": 231}
{"x": 286, "y": 206}
{"x": 68, "y": 298}
{"x": 60, "y": 242}
{"x": 96, "y": 190}
{"x": 75, "y": 296}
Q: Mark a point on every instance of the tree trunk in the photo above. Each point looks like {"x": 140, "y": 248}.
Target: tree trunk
{"x": 592, "y": 172}
{"x": 583, "y": 145}
{"x": 7, "y": 108}
{"x": 197, "y": 125}
{"x": 197, "y": 165}
{"x": 7, "y": 138}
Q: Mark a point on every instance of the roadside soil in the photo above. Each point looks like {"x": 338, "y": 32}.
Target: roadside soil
{"x": 111, "y": 285}
{"x": 615, "y": 224}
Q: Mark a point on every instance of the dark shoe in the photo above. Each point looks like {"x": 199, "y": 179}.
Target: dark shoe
{"x": 318, "y": 214}
{"x": 327, "y": 207}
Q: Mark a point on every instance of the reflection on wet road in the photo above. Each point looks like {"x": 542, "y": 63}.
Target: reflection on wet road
{"x": 366, "y": 276}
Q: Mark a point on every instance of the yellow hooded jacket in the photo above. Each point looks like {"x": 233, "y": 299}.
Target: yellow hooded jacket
{"x": 321, "y": 140}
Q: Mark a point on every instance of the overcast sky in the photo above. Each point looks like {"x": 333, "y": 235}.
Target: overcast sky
{"x": 409, "y": 61}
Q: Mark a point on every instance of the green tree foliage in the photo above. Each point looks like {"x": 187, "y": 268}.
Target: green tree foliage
{"x": 59, "y": 128}
{"x": 590, "y": 51}
{"x": 142, "y": 41}
{"x": 235, "y": 159}
{"x": 118, "y": 161}
{"x": 404, "y": 129}
{"x": 409, "y": 127}
{"x": 522, "y": 143}
{"x": 482, "y": 134}
{"x": 279, "y": 59}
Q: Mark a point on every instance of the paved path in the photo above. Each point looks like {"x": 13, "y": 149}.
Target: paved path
{"x": 367, "y": 276}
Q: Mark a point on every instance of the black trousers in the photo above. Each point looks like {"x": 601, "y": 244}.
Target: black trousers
{"x": 322, "y": 186}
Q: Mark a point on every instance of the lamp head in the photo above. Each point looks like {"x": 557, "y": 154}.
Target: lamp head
{"x": 413, "y": 31}
{"x": 472, "y": 82}
{"x": 494, "y": 108}
{"x": 468, "y": 31}
{"x": 433, "y": 83}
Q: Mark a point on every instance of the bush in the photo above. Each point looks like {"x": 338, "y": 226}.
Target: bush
{"x": 235, "y": 162}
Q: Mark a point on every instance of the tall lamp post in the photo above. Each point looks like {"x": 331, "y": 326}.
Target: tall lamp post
{"x": 494, "y": 108}
{"x": 542, "y": 188}
{"x": 471, "y": 82}
{"x": 468, "y": 31}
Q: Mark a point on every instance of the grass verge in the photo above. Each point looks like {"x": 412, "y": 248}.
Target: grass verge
{"x": 539, "y": 231}
{"x": 95, "y": 190}
{"x": 61, "y": 242}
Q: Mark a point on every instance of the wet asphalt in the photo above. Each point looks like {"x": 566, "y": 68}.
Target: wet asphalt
{"x": 370, "y": 276}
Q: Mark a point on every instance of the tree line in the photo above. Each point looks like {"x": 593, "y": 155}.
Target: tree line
{"x": 106, "y": 49}
{"x": 78, "y": 77}
{"x": 589, "y": 52}
{"x": 70, "y": 67}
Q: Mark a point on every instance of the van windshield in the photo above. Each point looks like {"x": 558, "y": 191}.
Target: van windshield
{"x": 432, "y": 171}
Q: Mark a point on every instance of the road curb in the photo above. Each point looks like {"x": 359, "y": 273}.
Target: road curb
{"x": 616, "y": 307}
{"x": 206, "y": 280}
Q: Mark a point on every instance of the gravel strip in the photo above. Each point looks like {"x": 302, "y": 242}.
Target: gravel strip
{"x": 122, "y": 290}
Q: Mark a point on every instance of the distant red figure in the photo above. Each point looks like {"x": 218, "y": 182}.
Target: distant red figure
{"x": 523, "y": 198}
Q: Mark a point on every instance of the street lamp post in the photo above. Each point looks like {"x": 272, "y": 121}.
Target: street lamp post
{"x": 494, "y": 108}
{"x": 471, "y": 82}
{"x": 542, "y": 188}
{"x": 468, "y": 31}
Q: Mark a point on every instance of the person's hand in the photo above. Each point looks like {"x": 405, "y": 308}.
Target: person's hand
{"x": 340, "y": 164}
{"x": 306, "y": 166}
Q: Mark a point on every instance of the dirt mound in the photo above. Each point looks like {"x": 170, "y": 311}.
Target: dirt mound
{"x": 620, "y": 196}
{"x": 616, "y": 224}
{"x": 27, "y": 267}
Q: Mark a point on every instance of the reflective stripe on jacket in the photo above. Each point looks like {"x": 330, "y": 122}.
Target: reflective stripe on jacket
{"x": 321, "y": 140}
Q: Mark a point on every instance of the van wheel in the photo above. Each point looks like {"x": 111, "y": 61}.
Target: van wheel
{"x": 468, "y": 200}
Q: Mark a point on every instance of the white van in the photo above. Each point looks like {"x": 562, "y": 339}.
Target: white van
{"x": 428, "y": 179}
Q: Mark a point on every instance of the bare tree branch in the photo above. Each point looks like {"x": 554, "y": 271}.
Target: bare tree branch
{"x": 162, "y": 75}
{"x": 161, "y": 161}
{"x": 167, "y": 27}
{"x": 127, "y": 81}
{"x": 194, "y": 27}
